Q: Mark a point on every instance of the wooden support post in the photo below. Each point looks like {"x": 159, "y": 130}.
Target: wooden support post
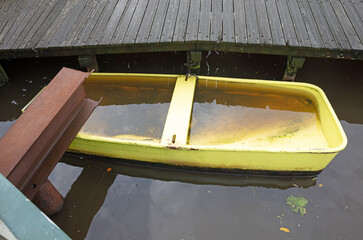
{"x": 3, "y": 77}
{"x": 194, "y": 59}
{"x": 89, "y": 62}
{"x": 48, "y": 199}
{"x": 291, "y": 67}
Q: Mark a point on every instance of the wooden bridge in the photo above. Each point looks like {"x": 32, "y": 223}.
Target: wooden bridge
{"x": 304, "y": 28}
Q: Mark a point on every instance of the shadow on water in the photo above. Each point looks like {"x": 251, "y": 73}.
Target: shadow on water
{"x": 112, "y": 199}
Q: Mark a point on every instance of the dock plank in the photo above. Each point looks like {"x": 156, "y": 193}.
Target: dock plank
{"x": 204, "y": 23}
{"x": 263, "y": 22}
{"x": 275, "y": 24}
{"x": 334, "y": 24}
{"x": 251, "y": 21}
{"x": 311, "y": 27}
{"x": 159, "y": 20}
{"x": 85, "y": 32}
{"x": 92, "y": 34}
{"x": 216, "y": 21}
{"x": 323, "y": 26}
{"x": 56, "y": 24}
{"x": 43, "y": 24}
{"x": 319, "y": 28}
{"x": 81, "y": 21}
{"x": 286, "y": 23}
{"x": 228, "y": 21}
{"x": 346, "y": 24}
{"x": 11, "y": 17}
{"x": 299, "y": 25}
{"x": 354, "y": 17}
{"x": 358, "y": 5}
{"x": 240, "y": 21}
{"x": 113, "y": 22}
{"x": 27, "y": 25}
{"x": 191, "y": 33}
{"x": 6, "y": 11}
{"x": 147, "y": 22}
{"x": 125, "y": 23}
{"x": 170, "y": 21}
{"x": 20, "y": 24}
{"x": 61, "y": 33}
{"x": 135, "y": 23}
{"x": 181, "y": 22}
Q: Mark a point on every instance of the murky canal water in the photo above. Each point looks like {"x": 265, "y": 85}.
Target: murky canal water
{"x": 138, "y": 202}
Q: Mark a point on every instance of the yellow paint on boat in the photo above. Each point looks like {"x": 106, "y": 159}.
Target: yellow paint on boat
{"x": 246, "y": 124}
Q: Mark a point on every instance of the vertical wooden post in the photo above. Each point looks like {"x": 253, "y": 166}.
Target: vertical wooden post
{"x": 194, "y": 58}
{"x": 291, "y": 66}
{"x": 89, "y": 62}
{"x": 3, "y": 77}
{"x": 48, "y": 199}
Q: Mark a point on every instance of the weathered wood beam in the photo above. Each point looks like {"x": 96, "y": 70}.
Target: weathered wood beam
{"x": 89, "y": 62}
{"x": 291, "y": 66}
{"x": 194, "y": 58}
{"x": 3, "y": 77}
{"x": 31, "y": 148}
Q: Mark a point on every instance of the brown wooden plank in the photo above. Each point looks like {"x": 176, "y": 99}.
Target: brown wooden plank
{"x": 181, "y": 21}
{"x": 311, "y": 26}
{"x": 113, "y": 22}
{"x": 240, "y": 21}
{"x": 204, "y": 20}
{"x": 334, "y": 24}
{"x": 287, "y": 24}
{"x": 191, "y": 33}
{"x": 299, "y": 25}
{"x": 40, "y": 126}
{"x": 263, "y": 22}
{"x": 346, "y": 24}
{"x": 170, "y": 21}
{"x": 251, "y": 20}
{"x": 159, "y": 21}
{"x": 147, "y": 22}
{"x": 275, "y": 24}
{"x": 228, "y": 21}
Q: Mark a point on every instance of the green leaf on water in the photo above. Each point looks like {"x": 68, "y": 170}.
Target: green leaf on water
{"x": 297, "y": 204}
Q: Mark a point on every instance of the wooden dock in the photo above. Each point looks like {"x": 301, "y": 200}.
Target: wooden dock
{"x": 304, "y": 28}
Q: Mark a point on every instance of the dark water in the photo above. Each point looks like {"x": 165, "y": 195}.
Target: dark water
{"x": 138, "y": 202}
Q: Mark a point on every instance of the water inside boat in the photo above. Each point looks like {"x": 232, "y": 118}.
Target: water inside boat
{"x": 131, "y": 110}
{"x": 224, "y": 113}
{"x": 239, "y": 115}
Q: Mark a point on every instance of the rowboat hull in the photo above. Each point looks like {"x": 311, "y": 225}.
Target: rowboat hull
{"x": 181, "y": 146}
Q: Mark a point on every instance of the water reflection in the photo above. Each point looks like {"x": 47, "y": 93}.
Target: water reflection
{"x": 167, "y": 173}
{"x": 84, "y": 200}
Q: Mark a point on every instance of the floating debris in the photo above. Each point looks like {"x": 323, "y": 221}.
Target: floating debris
{"x": 297, "y": 204}
{"x": 284, "y": 229}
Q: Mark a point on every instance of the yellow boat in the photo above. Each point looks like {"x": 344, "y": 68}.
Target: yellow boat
{"x": 212, "y": 123}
